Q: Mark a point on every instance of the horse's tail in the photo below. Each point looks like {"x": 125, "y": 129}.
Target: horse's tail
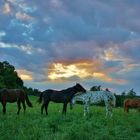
{"x": 40, "y": 97}
{"x": 28, "y": 101}
{"x": 114, "y": 101}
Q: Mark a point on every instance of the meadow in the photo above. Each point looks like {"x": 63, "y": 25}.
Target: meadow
{"x": 74, "y": 126}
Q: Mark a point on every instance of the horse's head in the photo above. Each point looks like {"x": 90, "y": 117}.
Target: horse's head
{"x": 72, "y": 102}
{"x": 79, "y": 88}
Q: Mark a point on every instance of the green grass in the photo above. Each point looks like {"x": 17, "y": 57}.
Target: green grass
{"x": 73, "y": 126}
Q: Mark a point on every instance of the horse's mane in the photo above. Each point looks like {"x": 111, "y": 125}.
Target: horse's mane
{"x": 67, "y": 89}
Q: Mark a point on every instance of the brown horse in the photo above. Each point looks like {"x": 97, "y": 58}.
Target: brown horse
{"x": 131, "y": 103}
{"x": 14, "y": 95}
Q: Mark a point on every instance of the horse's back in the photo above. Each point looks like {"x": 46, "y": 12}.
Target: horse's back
{"x": 132, "y": 102}
{"x": 48, "y": 92}
{"x": 100, "y": 94}
{"x": 58, "y": 95}
{"x": 11, "y": 95}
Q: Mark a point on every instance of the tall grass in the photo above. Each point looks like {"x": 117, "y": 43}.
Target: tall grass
{"x": 73, "y": 126}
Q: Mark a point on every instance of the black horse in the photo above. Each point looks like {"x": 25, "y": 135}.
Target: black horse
{"x": 63, "y": 96}
{"x": 14, "y": 95}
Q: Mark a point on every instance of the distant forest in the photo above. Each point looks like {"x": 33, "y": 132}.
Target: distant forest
{"x": 9, "y": 79}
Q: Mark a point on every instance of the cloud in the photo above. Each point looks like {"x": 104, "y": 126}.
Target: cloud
{"x": 23, "y": 16}
{"x": 7, "y": 8}
{"x": 25, "y": 75}
{"x": 27, "y": 49}
{"x": 46, "y": 36}
{"x": 81, "y": 69}
{"x": 2, "y": 34}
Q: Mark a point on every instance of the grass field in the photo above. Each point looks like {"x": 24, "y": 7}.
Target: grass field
{"x": 73, "y": 126}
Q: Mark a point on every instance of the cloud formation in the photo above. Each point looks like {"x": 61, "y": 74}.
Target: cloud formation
{"x": 92, "y": 41}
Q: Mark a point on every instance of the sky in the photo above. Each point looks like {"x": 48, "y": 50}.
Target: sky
{"x": 57, "y": 43}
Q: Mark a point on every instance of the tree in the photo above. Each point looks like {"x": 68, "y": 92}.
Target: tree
{"x": 9, "y": 77}
{"x": 123, "y": 93}
{"x": 131, "y": 93}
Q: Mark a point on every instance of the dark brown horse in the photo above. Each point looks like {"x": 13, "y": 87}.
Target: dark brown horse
{"x": 14, "y": 95}
{"x": 131, "y": 103}
{"x": 63, "y": 96}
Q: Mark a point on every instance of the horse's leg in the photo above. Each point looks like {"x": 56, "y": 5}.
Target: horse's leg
{"x": 124, "y": 109}
{"x": 42, "y": 108}
{"x": 4, "y": 107}
{"x": 127, "y": 109}
{"x": 85, "y": 108}
{"x": 65, "y": 108}
{"x": 110, "y": 111}
{"x": 19, "y": 106}
{"x": 71, "y": 104}
{"x": 24, "y": 106}
{"x": 46, "y": 107}
{"x": 88, "y": 108}
{"x": 107, "y": 108}
{"x": 107, "y": 112}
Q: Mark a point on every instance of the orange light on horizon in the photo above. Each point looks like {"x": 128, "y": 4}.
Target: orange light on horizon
{"x": 25, "y": 75}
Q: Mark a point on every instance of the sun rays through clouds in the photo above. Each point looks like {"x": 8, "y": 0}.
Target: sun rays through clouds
{"x": 82, "y": 69}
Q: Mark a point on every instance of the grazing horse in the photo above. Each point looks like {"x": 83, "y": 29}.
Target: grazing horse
{"x": 14, "y": 95}
{"x": 131, "y": 103}
{"x": 62, "y": 96}
{"x": 94, "y": 97}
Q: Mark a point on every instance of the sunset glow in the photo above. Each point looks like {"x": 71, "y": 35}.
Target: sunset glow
{"x": 62, "y": 71}
{"x": 82, "y": 70}
{"x": 25, "y": 75}
{"x": 102, "y": 76}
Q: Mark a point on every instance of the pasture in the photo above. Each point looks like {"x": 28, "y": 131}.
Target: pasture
{"x": 74, "y": 126}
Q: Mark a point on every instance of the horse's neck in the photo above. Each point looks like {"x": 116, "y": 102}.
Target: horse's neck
{"x": 68, "y": 89}
{"x": 68, "y": 92}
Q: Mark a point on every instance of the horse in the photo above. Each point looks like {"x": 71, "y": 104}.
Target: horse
{"x": 96, "y": 88}
{"x": 131, "y": 103}
{"x": 62, "y": 96}
{"x": 94, "y": 97}
{"x": 14, "y": 95}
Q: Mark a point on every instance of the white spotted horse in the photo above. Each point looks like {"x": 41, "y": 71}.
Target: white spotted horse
{"x": 94, "y": 97}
